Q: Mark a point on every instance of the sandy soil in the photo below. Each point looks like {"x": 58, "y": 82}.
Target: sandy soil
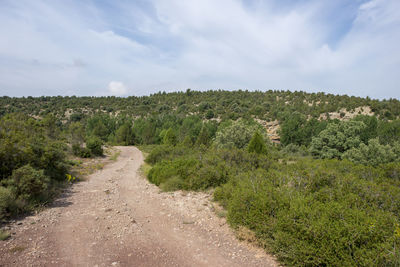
{"x": 117, "y": 218}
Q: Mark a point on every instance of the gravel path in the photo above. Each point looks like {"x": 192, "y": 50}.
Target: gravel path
{"x": 116, "y": 218}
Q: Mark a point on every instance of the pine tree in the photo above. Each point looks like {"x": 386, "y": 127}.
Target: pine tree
{"x": 257, "y": 144}
{"x": 187, "y": 142}
{"x": 169, "y": 137}
{"x": 203, "y": 138}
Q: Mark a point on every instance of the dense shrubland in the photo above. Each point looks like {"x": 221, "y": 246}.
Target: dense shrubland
{"x": 33, "y": 161}
{"x": 225, "y": 105}
{"x": 320, "y": 211}
{"x": 329, "y": 194}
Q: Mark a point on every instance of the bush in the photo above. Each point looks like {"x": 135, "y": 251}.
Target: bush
{"x": 372, "y": 154}
{"x": 257, "y": 144}
{"x": 94, "y": 144}
{"x": 165, "y": 152}
{"x": 203, "y": 137}
{"x": 337, "y": 138}
{"x": 194, "y": 172}
{"x": 319, "y": 213}
{"x": 124, "y": 135}
{"x": 392, "y": 170}
{"x": 165, "y": 170}
{"x": 6, "y": 201}
{"x": 209, "y": 114}
{"x": 169, "y": 138}
{"x": 29, "y": 184}
{"x": 82, "y": 152}
{"x": 295, "y": 150}
{"x": 238, "y": 134}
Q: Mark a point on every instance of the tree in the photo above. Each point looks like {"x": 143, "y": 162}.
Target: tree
{"x": 187, "y": 142}
{"x": 237, "y": 134}
{"x": 76, "y": 133}
{"x": 372, "y": 154}
{"x": 337, "y": 138}
{"x": 299, "y": 131}
{"x": 124, "y": 135}
{"x": 209, "y": 114}
{"x": 95, "y": 145}
{"x": 26, "y": 183}
{"x": 257, "y": 144}
{"x": 371, "y": 127}
{"x": 203, "y": 137}
{"x": 292, "y": 130}
{"x": 169, "y": 137}
{"x": 389, "y": 132}
{"x": 101, "y": 131}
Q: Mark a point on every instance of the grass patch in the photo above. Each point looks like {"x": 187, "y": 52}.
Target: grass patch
{"x": 4, "y": 235}
{"x": 146, "y": 149}
{"x": 115, "y": 156}
{"x": 75, "y": 162}
{"x": 145, "y": 169}
{"x": 245, "y": 234}
{"x": 87, "y": 168}
{"x": 221, "y": 213}
{"x": 17, "y": 249}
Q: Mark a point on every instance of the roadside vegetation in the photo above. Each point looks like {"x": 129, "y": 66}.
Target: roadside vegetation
{"x": 313, "y": 205}
{"x": 327, "y": 195}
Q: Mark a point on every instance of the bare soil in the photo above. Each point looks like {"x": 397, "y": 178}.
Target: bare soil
{"x": 116, "y": 218}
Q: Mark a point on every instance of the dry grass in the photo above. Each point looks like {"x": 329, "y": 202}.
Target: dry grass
{"x": 115, "y": 155}
{"x": 219, "y": 211}
{"x": 17, "y": 249}
{"x": 245, "y": 234}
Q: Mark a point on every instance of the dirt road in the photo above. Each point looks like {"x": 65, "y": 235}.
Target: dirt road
{"x": 116, "y": 218}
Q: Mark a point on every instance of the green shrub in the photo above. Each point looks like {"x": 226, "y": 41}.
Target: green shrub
{"x": 95, "y": 145}
{"x": 82, "y": 152}
{"x": 6, "y": 201}
{"x": 203, "y": 137}
{"x": 372, "y": 154}
{"x": 257, "y": 144}
{"x": 4, "y": 235}
{"x": 29, "y": 184}
{"x": 211, "y": 172}
{"x": 209, "y": 114}
{"x": 319, "y": 213}
{"x": 239, "y": 160}
{"x": 158, "y": 153}
{"x": 189, "y": 172}
{"x": 392, "y": 170}
{"x": 53, "y": 161}
{"x": 295, "y": 150}
{"x": 124, "y": 135}
{"x": 238, "y": 134}
{"x": 165, "y": 170}
{"x": 187, "y": 142}
{"x": 337, "y": 138}
{"x": 165, "y": 152}
{"x": 169, "y": 138}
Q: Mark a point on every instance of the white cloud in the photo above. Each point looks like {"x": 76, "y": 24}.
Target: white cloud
{"x": 57, "y": 47}
{"x": 117, "y": 88}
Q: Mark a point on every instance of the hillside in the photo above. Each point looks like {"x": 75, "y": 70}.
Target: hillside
{"x": 311, "y": 178}
{"x": 270, "y": 105}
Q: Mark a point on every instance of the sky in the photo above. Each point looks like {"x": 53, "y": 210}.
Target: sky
{"x": 139, "y": 47}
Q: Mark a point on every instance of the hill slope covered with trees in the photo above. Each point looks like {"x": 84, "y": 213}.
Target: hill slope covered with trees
{"x": 327, "y": 194}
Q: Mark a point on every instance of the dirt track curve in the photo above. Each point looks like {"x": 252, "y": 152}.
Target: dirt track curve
{"x": 116, "y": 218}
